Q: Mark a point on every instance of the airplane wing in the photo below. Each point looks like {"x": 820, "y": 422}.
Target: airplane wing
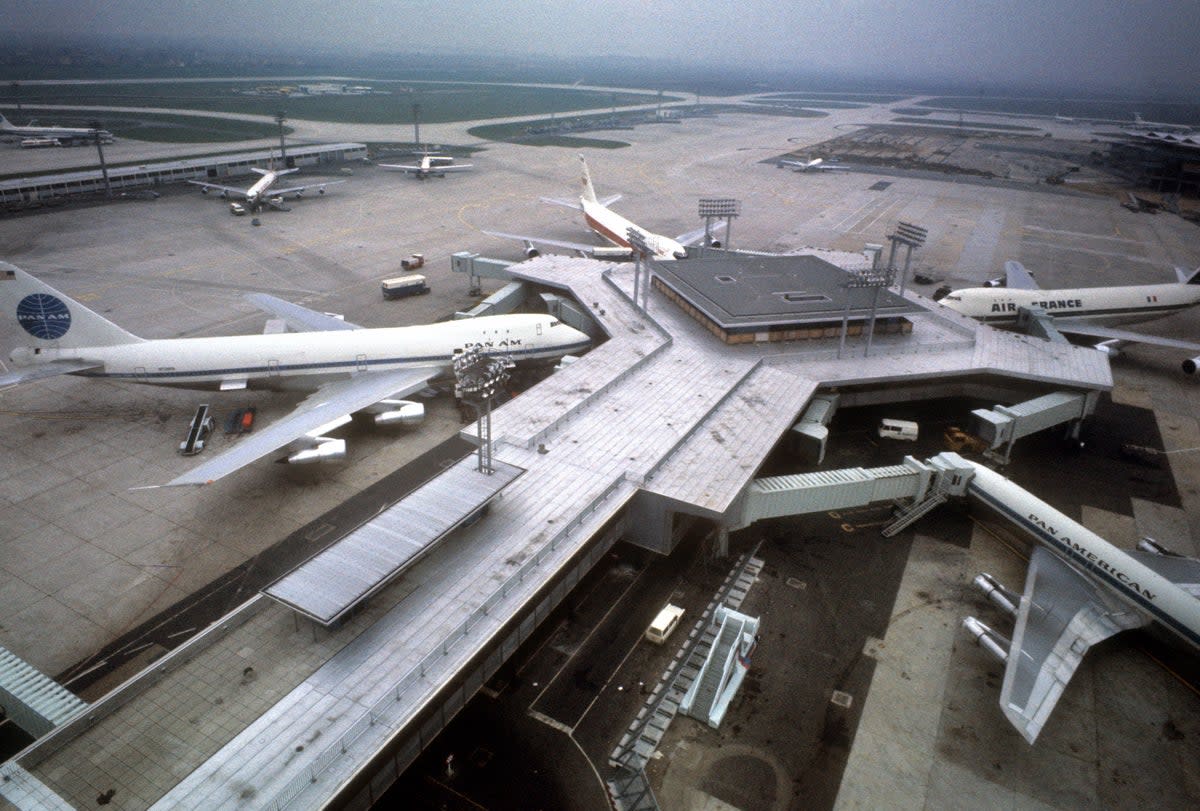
{"x": 327, "y": 404}
{"x": 300, "y": 319}
{"x": 1016, "y": 277}
{"x": 1182, "y": 571}
{"x": 274, "y": 192}
{"x": 44, "y": 370}
{"x": 1069, "y": 326}
{"x": 694, "y": 236}
{"x": 227, "y": 189}
{"x": 558, "y": 201}
{"x": 557, "y": 243}
{"x": 403, "y": 167}
{"x": 1062, "y": 614}
{"x": 453, "y": 167}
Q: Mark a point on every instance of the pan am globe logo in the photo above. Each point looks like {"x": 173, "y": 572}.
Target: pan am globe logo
{"x": 44, "y": 316}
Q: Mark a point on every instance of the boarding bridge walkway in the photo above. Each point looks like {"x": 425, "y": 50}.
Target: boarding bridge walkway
{"x": 269, "y": 710}
{"x": 31, "y": 699}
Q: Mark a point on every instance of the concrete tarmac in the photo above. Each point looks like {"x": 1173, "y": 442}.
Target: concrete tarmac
{"x": 83, "y": 558}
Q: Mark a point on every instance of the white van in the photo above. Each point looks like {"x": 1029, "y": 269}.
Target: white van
{"x": 898, "y": 429}
{"x": 664, "y": 624}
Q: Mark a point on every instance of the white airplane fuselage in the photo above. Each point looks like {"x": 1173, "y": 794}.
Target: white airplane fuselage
{"x": 255, "y": 193}
{"x": 304, "y": 360}
{"x": 613, "y": 227}
{"x": 1141, "y": 587}
{"x": 1099, "y": 305}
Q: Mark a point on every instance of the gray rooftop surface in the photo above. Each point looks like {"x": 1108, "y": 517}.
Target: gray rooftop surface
{"x": 751, "y": 291}
{"x": 335, "y": 580}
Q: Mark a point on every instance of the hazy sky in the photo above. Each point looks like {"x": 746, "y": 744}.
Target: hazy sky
{"x": 1135, "y": 44}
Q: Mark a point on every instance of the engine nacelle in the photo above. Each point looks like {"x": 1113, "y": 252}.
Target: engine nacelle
{"x": 321, "y": 190}
{"x": 401, "y": 412}
{"x": 999, "y": 281}
{"x": 1006, "y": 600}
{"x": 531, "y": 251}
{"x": 1191, "y": 365}
{"x": 1155, "y": 548}
{"x": 204, "y": 190}
{"x": 331, "y": 450}
{"x": 1111, "y": 348}
{"x": 224, "y": 195}
{"x": 988, "y": 639}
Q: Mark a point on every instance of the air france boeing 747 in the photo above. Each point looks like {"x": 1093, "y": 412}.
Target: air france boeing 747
{"x": 1085, "y": 310}
{"x": 349, "y": 368}
{"x": 610, "y": 225}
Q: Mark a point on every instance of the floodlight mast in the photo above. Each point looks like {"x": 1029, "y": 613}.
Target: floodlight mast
{"x": 911, "y": 236}
{"x": 871, "y": 279}
{"x": 478, "y": 377}
{"x": 641, "y": 253}
{"x": 717, "y": 208}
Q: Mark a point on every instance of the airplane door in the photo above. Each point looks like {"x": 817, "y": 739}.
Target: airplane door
{"x": 539, "y": 328}
{"x": 273, "y": 368}
{"x": 361, "y": 363}
{"x": 140, "y": 374}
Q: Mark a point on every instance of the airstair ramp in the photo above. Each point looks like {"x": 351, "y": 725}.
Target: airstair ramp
{"x": 646, "y": 732}
{"x": 723, "y": 670}
{"x": 34, "y": 701}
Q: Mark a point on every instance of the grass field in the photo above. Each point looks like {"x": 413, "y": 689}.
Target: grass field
{"x": 392, "y": 103}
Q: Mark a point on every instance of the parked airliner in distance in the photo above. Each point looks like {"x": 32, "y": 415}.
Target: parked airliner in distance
{"x": 814, "y": 165}
{"x": 1079, "y": 590}
{"x": 430, "y": 166}
{"x": 610, "y": 225}
{"x": 349, "y": 368}
{"x": 263, "y": 191}
{"x": 1085, "y": 311}
{"x": 62, "y": 136}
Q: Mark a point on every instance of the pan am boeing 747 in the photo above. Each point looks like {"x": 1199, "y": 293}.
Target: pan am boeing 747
{"x": 1079, "y": 591}
{"x": 1085, "y": 311}
{"x": 348, "y": 368}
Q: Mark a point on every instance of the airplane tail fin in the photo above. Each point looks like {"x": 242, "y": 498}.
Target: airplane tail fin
{"x": 52, "y": 318}
{"x": 1186, "y": 276}
{"x": 589, "y": 192}
{"x": 5, "y": 124}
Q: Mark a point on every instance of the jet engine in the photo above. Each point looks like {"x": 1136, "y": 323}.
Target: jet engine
{"x": 1191, "y": 365}
{"x": 531, "y": 252}
{"x": 989, "y": 640}
{"x": 331, "y": 450}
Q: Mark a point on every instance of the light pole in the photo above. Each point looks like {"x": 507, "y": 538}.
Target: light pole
{"x": 911, "y": 236}
{"x": 95, "y": 125}
{"x": 719, "y": 208}
{"x": 477, "y": 378}
{"x": 641, "y": 257}
{"x": 281, "y": 117}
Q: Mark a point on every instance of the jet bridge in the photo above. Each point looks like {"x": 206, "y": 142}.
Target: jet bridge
{"x": 1004, "y": 425}
{"x": 927, "y": 484}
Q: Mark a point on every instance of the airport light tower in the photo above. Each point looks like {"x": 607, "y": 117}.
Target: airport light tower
{"x": 719, "y": 208}
{"x": 281, "y": 117}
{"x": 911, "y": 236}
{"x": 96, "y": 129}
{"x": 477, "y": 378}
{"x": 874, "y": 280}
{"x": 641, "y": 253}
